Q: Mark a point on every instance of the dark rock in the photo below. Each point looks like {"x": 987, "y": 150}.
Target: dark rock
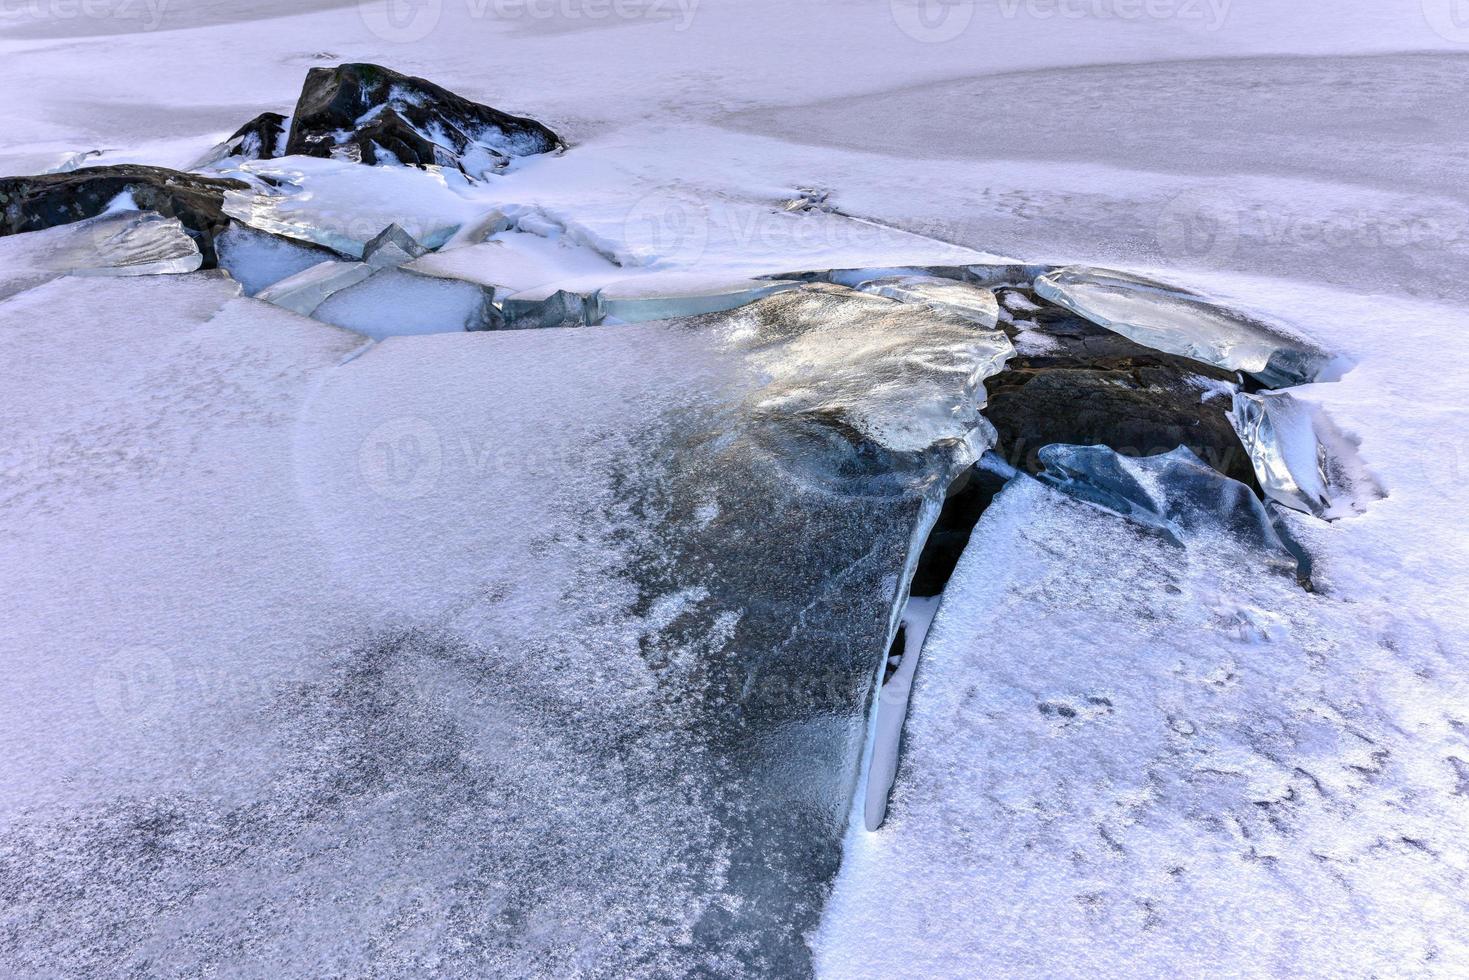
{"x": 262, "y": 138}
{"x": 968, "y": 498}
{"x": 379, "y": 116}
{"x": 46, "y": 200}
{"x": 1099, "y": 388}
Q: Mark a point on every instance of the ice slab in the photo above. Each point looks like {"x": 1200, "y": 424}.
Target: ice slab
{"x": 120, "y": 243}
{"x": 343, "y": 206}
{"x": 862, "y": 389}
{"x": 660, "y": 296}
{"x": 256, "y": 259}
{"x": 307, "y": 290}
{"x": 1301, "y": 458}
{"x": 1175, "y": 493}
{"x": 962, "y": 299}
{"x": 1178, "y": 322}
{"x": 479, "y": 653}
{"x": 395, "y": 303}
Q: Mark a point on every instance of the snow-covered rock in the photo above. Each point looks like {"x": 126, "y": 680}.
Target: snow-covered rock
{"x": 379, "y": 116}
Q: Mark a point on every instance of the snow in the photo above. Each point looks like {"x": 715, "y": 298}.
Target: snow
{"x": 1205, "y": 770}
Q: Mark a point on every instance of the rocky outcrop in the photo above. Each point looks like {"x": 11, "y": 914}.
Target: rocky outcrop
{"x": 1075, "y": 383}
{"x": 46, "y": 200}
{"x": 378, "y": 116}
{"x": 262, "y": 138}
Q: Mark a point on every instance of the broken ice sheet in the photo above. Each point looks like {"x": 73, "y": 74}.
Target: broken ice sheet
{"x": 1302, "y": 459}
{"x": 306, "y": 290}
{"x": 120, "y": 243}
{"x": 528, "y": 652}
{"x": 514, "y": 259}
{"x": 1175, "y": 321}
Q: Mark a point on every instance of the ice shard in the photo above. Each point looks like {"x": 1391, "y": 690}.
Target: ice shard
{"x": 862, "y": 389}
{"x": 126, "y": 243}
{"x": 308, "y": 289}
{"x": 1300, "y": 456}
{"x": 1176, "y": 321}
{"x": 391, "y": 248}
{"x": 963, "y": 299}
{"x": 658, "y": 297}
{"x": 1175, "y": 493}
{"x": 475, "y": 653}
{"x": 540, "y": 309}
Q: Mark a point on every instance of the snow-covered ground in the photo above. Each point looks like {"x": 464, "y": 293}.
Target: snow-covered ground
{"x": 272, "y": 708}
